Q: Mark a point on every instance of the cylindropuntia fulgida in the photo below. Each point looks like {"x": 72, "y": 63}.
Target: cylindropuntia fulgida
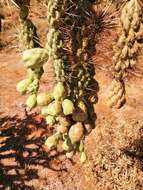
{"x": 54, "y": 41}
{"x": 79, "y": 79}
{"x": 61, "y": 106}
{"x": 126, "y": 49}
{"x": 28, "y": 36}
{"x": 70, "y": 119}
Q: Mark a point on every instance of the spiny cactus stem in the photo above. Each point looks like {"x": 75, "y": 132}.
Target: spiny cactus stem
{"x": 54, "y": 41}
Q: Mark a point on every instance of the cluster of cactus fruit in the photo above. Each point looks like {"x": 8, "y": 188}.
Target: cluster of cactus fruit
{"x": 66, "y": 108}
{"x": 126, "y": 49}
{"x": 58, "y": 107}
{"x": 33, "y": 56}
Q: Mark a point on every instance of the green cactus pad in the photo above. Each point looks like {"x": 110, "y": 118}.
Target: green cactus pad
{"x": 35, "y": 73}
{"x": 24, "y": 12}
{"x": 81, "y": 146}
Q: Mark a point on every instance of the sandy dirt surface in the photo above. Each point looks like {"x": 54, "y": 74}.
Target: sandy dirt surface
{"x": 114, "y": 148}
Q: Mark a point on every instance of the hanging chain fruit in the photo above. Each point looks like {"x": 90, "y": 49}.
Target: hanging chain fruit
{"x": 126, "y": 49}
{"x": 58, "y": 110}
{"x": 28, "y": 37}
{"x": 33, "y": 56}
{"x": 66, "y": 107}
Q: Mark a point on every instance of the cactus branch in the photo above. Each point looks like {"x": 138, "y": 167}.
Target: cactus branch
{"x": 126, "y": 49}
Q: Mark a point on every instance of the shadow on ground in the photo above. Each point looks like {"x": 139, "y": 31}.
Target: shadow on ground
{"x": 23, "y": 160}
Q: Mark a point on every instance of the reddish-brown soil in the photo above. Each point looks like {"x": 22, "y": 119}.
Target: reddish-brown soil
{"x": 114, "y": 148}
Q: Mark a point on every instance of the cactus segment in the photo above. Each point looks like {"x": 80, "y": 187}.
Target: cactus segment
{"x": 34, "y": 58}
{"x": 54, "y": 41}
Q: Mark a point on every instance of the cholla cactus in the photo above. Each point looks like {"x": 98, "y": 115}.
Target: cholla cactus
{"x": 54, "y": 42}
{"x": 60, "y": 106}
{"x": 28, "y": 37}
{"x": 81, "y": 76}
{"x": 126, "y": 50}
{"x": 68, "y": 110}
{"x": 33, "y": 57}
{"x": 67, "y": 106}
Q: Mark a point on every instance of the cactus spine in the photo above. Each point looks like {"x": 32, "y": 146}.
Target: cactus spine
{"x": 126, "y": 50}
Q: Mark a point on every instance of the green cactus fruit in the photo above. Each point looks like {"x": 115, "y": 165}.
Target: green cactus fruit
{"x": 65, "y": 136}
{"x": 50, "y": 120}
{"x": 68, "y": 107}
{"x": 54, "y": 109}
{"x": 35, "y": 73}
{"x": 23, "y": 85}
{"x": 52, "y": 141}
{"x": 64, "y": 121}
{"x": 62, "y": 129}
{"x": 31, "y": 101}
{"x": 67, "y": 146}
{"x": 69, "y": 154}
{"x": 33, "y": 87}
{"x": 44, "y": 99}
{"x": 83, "y": 157}
{"x": 80, "y": 113}
{"x": 59, "y": 91}
{"x": 81, "y": 146}
{"x": 76, "y": 132}
{"x": 35, "y": 57}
